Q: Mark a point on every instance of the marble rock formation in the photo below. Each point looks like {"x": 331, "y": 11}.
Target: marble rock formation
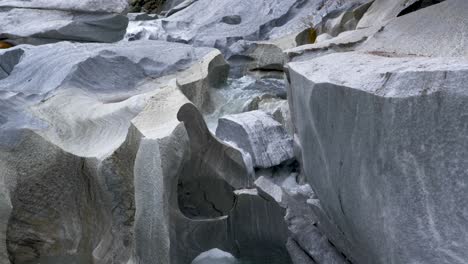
{"x": 383, "y": 139}
{"x": 426, "y": 32}
{"x": 381, "y": 11}
{"x": 342, "y": 20}
{"x": 298, "y": 27}
{"x": 229, "y": 22}
{"x": 209, "y": 205}
{"x": 42, "y": 21}
{"x": 252, "y": 42}
{"x": 259, "y": 135}
{"x": 306, "y": 242}
{"x": 110, "y": 80}
{"x": 69, "y": 149}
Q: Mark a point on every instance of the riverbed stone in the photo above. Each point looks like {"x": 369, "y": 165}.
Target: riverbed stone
{"x": 258, "y": 134}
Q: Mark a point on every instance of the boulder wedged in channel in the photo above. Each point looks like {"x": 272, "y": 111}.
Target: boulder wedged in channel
{"x": 258, "y": 134}
{"x": 382, "y": 141}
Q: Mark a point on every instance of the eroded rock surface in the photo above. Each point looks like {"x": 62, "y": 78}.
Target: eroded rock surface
{"x": 72, "y": 121}
{"x": 379, "y": 126}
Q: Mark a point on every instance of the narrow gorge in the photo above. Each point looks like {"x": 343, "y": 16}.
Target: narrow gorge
{"x": 234, "y": 132}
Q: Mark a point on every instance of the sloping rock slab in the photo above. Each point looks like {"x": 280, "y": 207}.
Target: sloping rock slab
{"x": 437, "y": 30}
{"x": 41, "y": 26}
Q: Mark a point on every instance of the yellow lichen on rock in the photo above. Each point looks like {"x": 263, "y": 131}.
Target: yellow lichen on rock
{"x": 312, "y": 35}
{"x": 5, "y": 45}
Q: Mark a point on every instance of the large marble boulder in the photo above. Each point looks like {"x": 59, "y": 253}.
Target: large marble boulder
{"x": 41, "y": 21}
{"x": 383, "y": 144}
{"x": 264, "y": 139}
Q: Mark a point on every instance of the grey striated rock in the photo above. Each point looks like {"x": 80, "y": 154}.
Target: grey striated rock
{"x": 277, "y": 108}
{"x": 269, "y": 190}
{"x": 70, "y": 120}
{"x": 346, "y": 41}
{"x": 306, "y": 242}
{"x": 42, "y": 26}
{"x": 337, "y": 22}
{"x": 259, "y": 135}
{"x": 175, "y": 6}
{"x": 426, "y": 32}
{"x": 381, "y": 11}
{"x": 210, "y": 72}
{"x": 170, "y": 4}
{"x": 43, "y": 183}
{"x": 246, "y": 20}
{"x": 249, "y": 56}
{"x": 274, "y": 87}
{"x": 260, "y": 231}
{"x": 209, "y": 30}
{"x": 297, "y": 253}
{"x": 40, "y": 21}
{"x": 383, "y": 140}
{"x": 323, "y": 37}
{"x": 111, "y": 81}
{"x": 175, "y": 221}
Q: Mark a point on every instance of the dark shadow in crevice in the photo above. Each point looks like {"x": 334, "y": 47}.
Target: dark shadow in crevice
{"x": 205, "y": 198}
{"x": 419, "y": 5}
